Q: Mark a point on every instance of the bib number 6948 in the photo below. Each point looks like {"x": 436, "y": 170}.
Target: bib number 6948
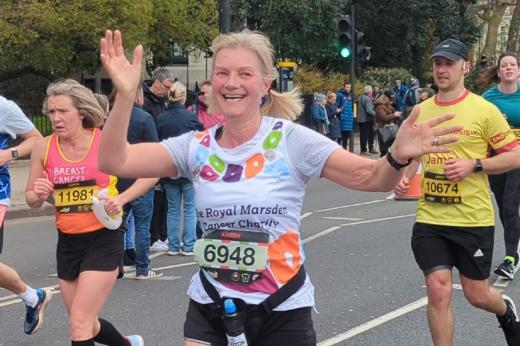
{"x": 216, "y": 253}
{"x": 222, "y": 255}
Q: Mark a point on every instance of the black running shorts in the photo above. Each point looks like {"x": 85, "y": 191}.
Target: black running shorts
{"x": 99, "y": 251}
{"x": 469, "y": 249}
{"x": 293, "y": 327}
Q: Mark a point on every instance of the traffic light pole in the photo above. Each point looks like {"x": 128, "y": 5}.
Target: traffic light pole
{"x": 352, "y": 73}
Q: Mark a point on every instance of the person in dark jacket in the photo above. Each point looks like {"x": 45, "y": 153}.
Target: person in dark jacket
{"x": 386, "y": 115}
{"x": 333, "y": 113}
{"x": 141, "y": 129}
{"x": 366, "y": 120}
{"x": 175, "y": 121}
{"x": 156, "y": 91}
{"x": 155, "y": 101}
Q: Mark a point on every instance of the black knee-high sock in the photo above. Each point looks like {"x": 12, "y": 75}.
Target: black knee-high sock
{"x": 108, "y": 335}
{"x": 89, "y": 342}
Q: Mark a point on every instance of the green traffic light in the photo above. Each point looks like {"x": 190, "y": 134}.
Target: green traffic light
{"x": 344, "y": 52}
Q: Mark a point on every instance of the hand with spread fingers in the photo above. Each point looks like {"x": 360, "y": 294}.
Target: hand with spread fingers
{"x": 125, "y": 74}
{"x": 416, "y": 139}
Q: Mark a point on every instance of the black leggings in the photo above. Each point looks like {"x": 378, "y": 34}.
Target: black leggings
{"x": 506, "y": 188}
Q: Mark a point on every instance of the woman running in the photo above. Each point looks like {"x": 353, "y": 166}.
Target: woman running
{"x": 249, "y": 177}
{"x": 64, "y": 171}
{"x": 506, "y": 187}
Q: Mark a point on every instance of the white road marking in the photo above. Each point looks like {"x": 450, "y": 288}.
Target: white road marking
{"x": 390, "y": 196}
{"x": 305, "y": 215}
{"x": 335, "y": 228}
{"x": 15, "y": 299}
{"x": 350, "y": 206}
{"x": 341, "y": 218}
{"x": 375, "y": 322}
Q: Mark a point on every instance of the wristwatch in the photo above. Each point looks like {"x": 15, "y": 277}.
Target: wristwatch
{"x": 478, "y": 166}
{"x": 15, "y": 153}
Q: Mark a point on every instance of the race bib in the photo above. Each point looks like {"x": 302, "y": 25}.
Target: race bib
{"x": 516, "y": 132}
{"x": 438, "y": 189}
{"x": 75, "y": 197}
{"x": 233, "y": 255}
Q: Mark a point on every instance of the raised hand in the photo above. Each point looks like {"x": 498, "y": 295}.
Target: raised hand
{"x": 125, "y": 74}
{"x": 416, "y": 139}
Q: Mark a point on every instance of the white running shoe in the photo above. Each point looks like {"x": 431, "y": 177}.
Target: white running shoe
{"x": 150, "y": 275}
{"x": 159, "y": 246}
{"x": 135, "y": 340}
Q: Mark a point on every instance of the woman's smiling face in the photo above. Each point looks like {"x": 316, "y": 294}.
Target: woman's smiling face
{"x": 238, "y": 82}
{"x": 508, "y": 69}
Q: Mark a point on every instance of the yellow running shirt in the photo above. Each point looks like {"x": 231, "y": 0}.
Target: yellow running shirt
{"x": 465, "y": 203}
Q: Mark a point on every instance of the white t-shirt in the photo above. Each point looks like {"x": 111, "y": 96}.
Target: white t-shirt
{"x": 13, "y": 122}
{"x": 257, "y": 185}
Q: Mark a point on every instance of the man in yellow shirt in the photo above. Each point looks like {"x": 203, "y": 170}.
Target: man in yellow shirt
{"x": 455, "y": 220}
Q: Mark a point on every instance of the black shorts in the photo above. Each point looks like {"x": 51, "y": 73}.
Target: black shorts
{"x": 99, "y": 250}
{"x": 469, "y": 249}
{"x": 293, "y": 327}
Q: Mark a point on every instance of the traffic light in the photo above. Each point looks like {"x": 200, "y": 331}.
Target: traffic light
{"x": 344, "y": 36}
{"x": 363, "y": 52}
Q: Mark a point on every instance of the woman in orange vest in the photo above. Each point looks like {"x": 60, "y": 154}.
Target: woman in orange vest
{"x": 64, "y": 171}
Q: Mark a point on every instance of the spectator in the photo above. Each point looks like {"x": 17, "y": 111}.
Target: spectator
{"x": 366, "y": 120}
{"x": 399, "y": 91}
{"x": 333, "y": 114}
{"x": 344, "y": 104}
{"x": 156, "y": 91}
{"x": 376, "y": 91}
{"x": 155, "y": 100}
{"x": 201, "y": 108}
{"x": 172, "y": 123}
{"x": 386, "y": 116}
{"x": 141, "y": 129}
{"x": 411, "y": 98}
{"x": 319, "y": 114}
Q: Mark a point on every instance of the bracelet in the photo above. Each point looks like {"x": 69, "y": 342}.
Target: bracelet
{"x": 394, "y": 163}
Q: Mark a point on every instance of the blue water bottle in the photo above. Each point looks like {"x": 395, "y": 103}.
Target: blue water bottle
{"x": 234, "y": 325}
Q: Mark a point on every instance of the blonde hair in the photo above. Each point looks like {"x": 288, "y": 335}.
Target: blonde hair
{"x": 82, "y": 98}
{"x": 177, "y": 93}
{"x": 330, "y": 95}
{"x": 286, "y": 105}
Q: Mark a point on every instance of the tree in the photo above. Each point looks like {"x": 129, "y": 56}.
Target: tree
{"x": 400, "y": 32}
{"x": 53, "y": 38}
{"x": 513, "y": 38}
{"x": 491, "y": 12}
{"x": 192, "y": 24}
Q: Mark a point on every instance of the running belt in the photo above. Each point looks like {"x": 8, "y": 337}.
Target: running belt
{"x": 271, "y": 302}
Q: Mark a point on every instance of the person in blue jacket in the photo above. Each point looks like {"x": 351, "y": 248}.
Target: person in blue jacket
{"x": 344, "y": 102}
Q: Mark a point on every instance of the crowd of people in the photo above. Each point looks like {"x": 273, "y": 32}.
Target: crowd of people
{"x": 144, "y": 155}
{"x": 378, "y": 113}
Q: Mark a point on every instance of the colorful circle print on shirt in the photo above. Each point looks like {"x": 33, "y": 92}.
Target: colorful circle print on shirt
{"x": 213, "y": 168}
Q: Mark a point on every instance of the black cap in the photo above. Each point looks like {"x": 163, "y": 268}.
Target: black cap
{"x": 451, "y": 49}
